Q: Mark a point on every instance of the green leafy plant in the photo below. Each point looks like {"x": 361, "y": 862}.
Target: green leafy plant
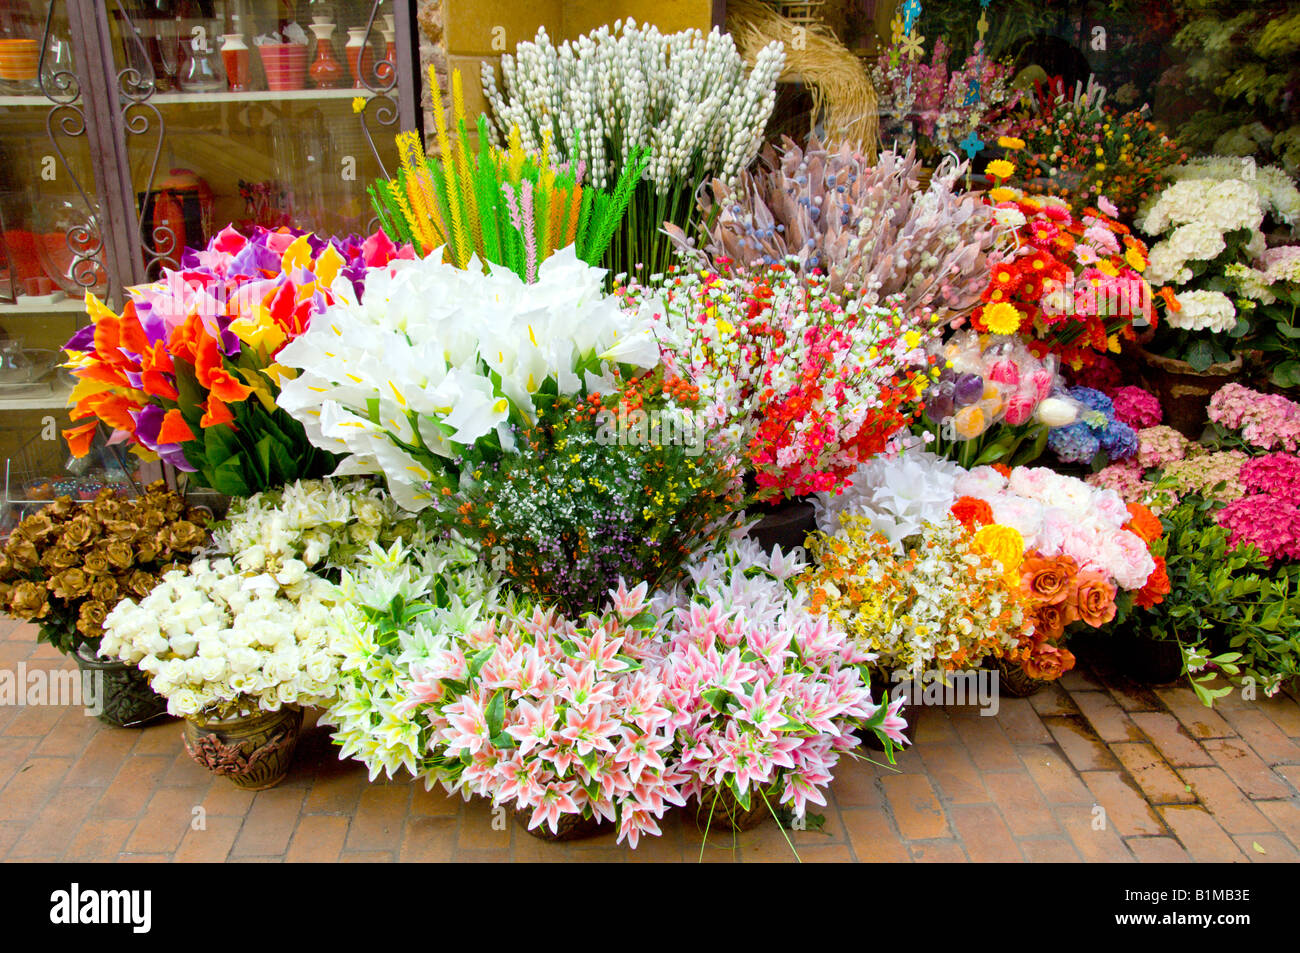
{"x": 1230, "y": 614}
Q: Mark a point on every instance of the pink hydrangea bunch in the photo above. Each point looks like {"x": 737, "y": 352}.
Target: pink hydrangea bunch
{"x": 1270, "y": 523}
{"x": 765, "y": 695}
{"x": 557, "y": 716}
{"x": 1136, "y": 407}
{"x": 1267, "y": 421}
{"x": 1274, "y": 474}
{"x": 1124, "y": 478}
{"x": 1160, "y": 446}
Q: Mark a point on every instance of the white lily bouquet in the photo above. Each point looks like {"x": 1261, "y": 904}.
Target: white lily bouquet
{"x": 431, "y": 371}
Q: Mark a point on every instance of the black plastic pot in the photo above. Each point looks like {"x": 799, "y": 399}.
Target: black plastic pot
{"x": 1153, "y": 662}
{"x": 787, "y": 524}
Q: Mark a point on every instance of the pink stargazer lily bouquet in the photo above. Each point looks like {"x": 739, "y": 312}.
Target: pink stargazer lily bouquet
{"x": 557, "y": 717}
{"x": 766, "y": 696}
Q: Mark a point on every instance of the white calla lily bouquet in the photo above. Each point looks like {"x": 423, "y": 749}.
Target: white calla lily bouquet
{"x": 435, "y": 366}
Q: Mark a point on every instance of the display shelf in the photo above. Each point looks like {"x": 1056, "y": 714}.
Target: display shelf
{"x": 248, "y": 96}
{"x": 56, "y": 399}
{"x": 62, "y": 306}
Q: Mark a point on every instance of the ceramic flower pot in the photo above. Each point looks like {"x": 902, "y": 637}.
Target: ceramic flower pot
{"x": 1013, "y": 681}
{"x": 254, "y": 752}
{"x": 1185, "y": 392}
{"x": 786, "y": 524}
{"x": 285, "y": 65}
{"x": 119, "y": 692}
{"x": 569, "y": 827}
{"x": 718, "y": 810}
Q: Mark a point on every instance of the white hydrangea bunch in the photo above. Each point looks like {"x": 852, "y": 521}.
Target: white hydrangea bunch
{"x": 685, "y": 96}
{"x": 323, "y": 523}
{"x": 445, "y": 592}
{"x": 1203, "y": 311}
{"x": 1276, "y": 190}
{"x": 217, "y": 642}
{"x": 437, "y": 358}
{"x": 1195, "y": 209}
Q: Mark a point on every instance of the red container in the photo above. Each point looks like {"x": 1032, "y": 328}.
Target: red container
{"x": 285, "y": 65}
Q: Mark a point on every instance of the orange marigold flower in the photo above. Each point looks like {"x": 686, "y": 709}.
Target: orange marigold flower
{"x": 971, "y": 512}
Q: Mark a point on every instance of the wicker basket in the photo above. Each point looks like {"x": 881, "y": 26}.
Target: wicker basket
{"x": 1013, "y": 681}
{"x": 801, "y": 12}
{"x": 718, "y": 810}
{"x": 569, "y": 827}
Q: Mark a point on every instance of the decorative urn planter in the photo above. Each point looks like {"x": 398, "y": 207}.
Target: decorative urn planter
{"x": 118, "y": 692}
{"x": 254, "y": 751}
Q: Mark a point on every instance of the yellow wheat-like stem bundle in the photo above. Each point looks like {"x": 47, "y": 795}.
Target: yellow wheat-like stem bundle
{"x": 841, "y": 89}
{"x": 460, "y": 254}
{"x": 462, "y": 160}
{"x": 419, "y": 206}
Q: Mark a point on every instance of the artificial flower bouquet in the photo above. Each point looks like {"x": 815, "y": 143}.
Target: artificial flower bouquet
{"x": 686, "y": 102}
{"x": 765, "y": 693}
{"x": 942, "y": 108}
{"x": 804, "y": 383}
{"x": 1080, "y": 149}
{"x": 993, "y": 401}
{"x": 422, "y": 380}
{"x": 868, "y": 226}
{"x": 1208, "y": 225}
{"x": 246, "y": 629}
{"x": 188, "y": 371}
{"x": 1073, "y": 284}
{"x": 600, "y": 490}
{"x": 67, "y": 565}
{"x": 1066, "y": 552}
{"x": 1099, "y": 435}
{"x": 508, "y": 207}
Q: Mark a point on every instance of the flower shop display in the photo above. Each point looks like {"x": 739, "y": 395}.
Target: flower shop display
{"x": 240, "y": 641}
{"x": 685, "y": 97}
{"x": 419, "y": 380}
{"x": 993, "y": 401}
{"x": 868, "y": 225}
{"x": 1074, "y": 283}
{"x": 506, "y": 207}
{"x": 1080, "y": 149}
{"x": 188, "y": 371}
{"x": 805, "y": 384}
{"x": 66, "y": 566}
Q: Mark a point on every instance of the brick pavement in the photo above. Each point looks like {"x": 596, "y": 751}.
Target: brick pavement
{"x": 1095, "y": 768}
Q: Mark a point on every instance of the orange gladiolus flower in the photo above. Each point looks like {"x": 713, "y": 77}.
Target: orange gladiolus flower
{"x": 80, "y": 438}
{"x": 113, "y": 409}
{"x": 213, "y": 375}
{"x": 216, "y": 413}
{"x": 174, "y": 429}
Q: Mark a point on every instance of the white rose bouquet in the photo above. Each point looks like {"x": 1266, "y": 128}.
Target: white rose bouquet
{"x": 219, "y": 643}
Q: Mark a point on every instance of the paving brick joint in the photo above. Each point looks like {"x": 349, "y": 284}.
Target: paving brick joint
{"x": 1094, "y": 768}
